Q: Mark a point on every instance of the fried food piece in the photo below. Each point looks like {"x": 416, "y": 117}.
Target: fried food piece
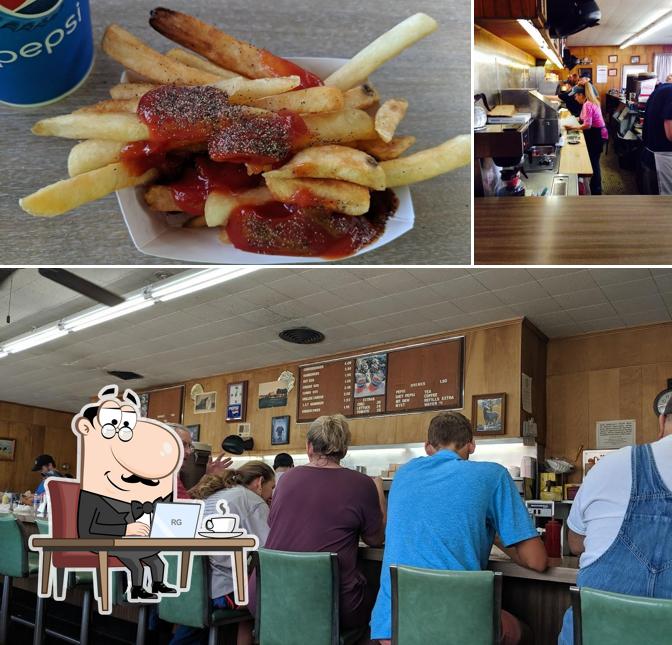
{"x": 110, "y": 105}
{"x": 219, "y": 206}
{"x": 313, "y": 99}
{"x": 91, "y": 154}
{"x": 91, "y": 125}
{"x": 67, "y": 194}
{"x": 160, "y": 198}
{"x": 428, "y": 163}
{"x": 332, "y": 194}
{"x": 199, "y": 63}
{"x": 244, "y": 90}
{"x": 385, "y": 47}
{"x": 131, "y": 90}
{"x": 135, "y": 55}
{"x": 333, "y": 162}
{"x": 388, "y": 117}
{"x": 385, "y": 151}
{"x": 362, "y": 97}
{"x": 339, "y": 127}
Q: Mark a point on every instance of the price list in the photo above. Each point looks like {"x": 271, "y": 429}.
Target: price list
{"x": 325, "y": 388}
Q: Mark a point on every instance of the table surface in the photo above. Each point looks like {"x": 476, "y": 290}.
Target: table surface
{"x": 434, "y": 75}
{"x": 133, "y": 543}
{"x": 601, "y": 229}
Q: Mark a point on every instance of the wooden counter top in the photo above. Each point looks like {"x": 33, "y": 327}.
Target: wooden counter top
{"x": 574, "y": 159}
{"x": 604, "y": 229}
{"x": 561, "y": 570}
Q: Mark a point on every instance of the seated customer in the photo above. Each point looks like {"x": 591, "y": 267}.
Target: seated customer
{"x": 323, "y": 506}
{"x": 621, "y": 522}
{"x": 246, "y": 492}
{"x": 281, "y": 464}
{"x": 444, "y": 512}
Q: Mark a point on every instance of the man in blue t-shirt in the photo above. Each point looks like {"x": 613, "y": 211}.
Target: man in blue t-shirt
{"x": 444, "y": 512}
{"x": 46, "y": 465}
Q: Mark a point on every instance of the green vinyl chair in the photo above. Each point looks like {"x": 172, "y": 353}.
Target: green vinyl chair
{"x": 605, "y": 617}
{"x": 192, "y": 608}
{"x": 447, "y": 607}
{"x": 298, "y": 600}
{"x": 16, "y": 561}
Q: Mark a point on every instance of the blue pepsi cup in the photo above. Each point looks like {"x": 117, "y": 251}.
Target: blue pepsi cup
{"x": 46, "y": 49}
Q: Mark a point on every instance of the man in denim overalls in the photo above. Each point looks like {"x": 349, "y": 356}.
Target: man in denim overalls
{"x": 621, "y": 522}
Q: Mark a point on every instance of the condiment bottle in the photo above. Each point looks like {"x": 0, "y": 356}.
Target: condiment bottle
{"x": 552, "y": 538}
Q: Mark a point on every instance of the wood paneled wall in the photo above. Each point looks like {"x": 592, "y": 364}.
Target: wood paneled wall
{"x": 492, "y": 364}
{"x": 601, "y": 377}
{"x": 600, "y": 56}
{"x": 37, "y": 431}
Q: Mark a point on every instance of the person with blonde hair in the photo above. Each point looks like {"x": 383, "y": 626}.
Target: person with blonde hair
{"x": 594, "y": 129}
{"x": 325, "y": 507}
{"x": 246, "y": 491}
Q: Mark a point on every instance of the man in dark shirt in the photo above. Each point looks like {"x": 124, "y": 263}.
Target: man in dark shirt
{"x": 657, "y": 137}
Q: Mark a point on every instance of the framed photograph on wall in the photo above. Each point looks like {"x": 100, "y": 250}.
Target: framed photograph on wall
{"x": 205, "y": 402}
{"x": 236, "y": 401}
{"x": 195, "y": 432}
{"x": 613, "y": 58}
{"x": 7, "y": 449}
{"x": 280, "y": 430}
{"x": 613, "y": 71}
{"x": 634, "y": 60}
{"x": 144, "y": 403}
{"x": 488, "y": 414}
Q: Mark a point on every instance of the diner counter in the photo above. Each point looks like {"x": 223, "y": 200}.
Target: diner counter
{"x": 574, "y": 159}
{"x": 604, "y": 229}
{"x": 561, "y": 570}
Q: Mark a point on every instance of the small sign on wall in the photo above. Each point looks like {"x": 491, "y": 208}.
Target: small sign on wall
{"x": 615, "y": 434}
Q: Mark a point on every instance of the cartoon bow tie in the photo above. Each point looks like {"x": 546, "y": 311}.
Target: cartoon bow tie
{"x": 138, "y": 509}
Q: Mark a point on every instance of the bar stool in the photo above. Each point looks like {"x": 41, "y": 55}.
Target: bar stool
{"x": 298, "y": 600}
{"x": 605, "y": 617}
{"x": 192, "y": 608}
{"x": 447, "y": 607}
{"x": 15, "y": 562}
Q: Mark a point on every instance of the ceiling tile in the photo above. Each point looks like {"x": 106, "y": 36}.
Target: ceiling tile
{"x": 535, "y": 307}
{"x": 459, "y": 287}
{"x": 625, "y": 290}
{"x": 568, "y": 282}
{"x": 521, "y": 293}
{"x": 494, "y": 279}
{"x": 644, "y": 303}
{"x": 582, "y": 298}
{"x": 646, "y": 317}
{"x": 605, "y": 277}
{"x": 593, "y": 312}
{"x": 479, "y": 302}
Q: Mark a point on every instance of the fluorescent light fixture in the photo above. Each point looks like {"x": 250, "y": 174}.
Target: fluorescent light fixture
{"x": 33, "y": 339}
{"x": 3, "y": 354}
{"x": 102, "y": 314}
{"x": 541, "y": 42}
{"x": 655, "y": 25}
{"x": 503, "y": 60}
{"x": 183, "y": 285}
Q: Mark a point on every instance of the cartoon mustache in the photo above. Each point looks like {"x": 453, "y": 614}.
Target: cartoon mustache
{"x": 134, "y": 479}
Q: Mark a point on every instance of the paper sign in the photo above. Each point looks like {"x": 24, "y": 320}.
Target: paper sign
{"x": 527, "y": 393}
{"x": 591, "y": 457}
{"x": 602, "y": 73}
{"x": 615, "y": 434}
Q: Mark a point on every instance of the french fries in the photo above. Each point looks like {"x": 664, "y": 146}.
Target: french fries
{"x": 67, "y": 194}
{"x": 333, "y": 162}
{"x": 334, "y": 144}
{"x": 199, "y": 63}
{"x": 429, "y": 163}
{"x": 385, "y": 47}
{"x": 338, "y": 196}
{"x": 388, "y": 117}
{"x": 135, "y": 55}
{"x": 92, "y": 154}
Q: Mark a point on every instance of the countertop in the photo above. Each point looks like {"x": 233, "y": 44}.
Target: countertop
{"x": 574, "y": 159}
{"x": 562, "y": 570}
{"x": 434, "y": 75}
{"x": 604, "y": 229}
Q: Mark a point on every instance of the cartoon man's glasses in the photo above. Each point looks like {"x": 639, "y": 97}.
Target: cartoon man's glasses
{"x": 115, "y": 421}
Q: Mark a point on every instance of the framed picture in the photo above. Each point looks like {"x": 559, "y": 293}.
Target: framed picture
{"x": 206, "y": 402}
{"x": 144, "y": 403}
{"x": 272, "y": 394}
{"x": 370, "y": 375}
{"x": 236, "y": 401}
{"x": 613, "y": 58}
{"x": 488, "y": 414}
{"x": 280, "y": 430}
{"x": 634, "y": 60}
{"x": 7, "y": 449}
{"x": 613, "y": 71}
{"x": 587, "y": 72}
{"x": 195, "y": 432}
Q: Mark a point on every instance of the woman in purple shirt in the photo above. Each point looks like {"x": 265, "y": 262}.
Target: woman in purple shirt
{"x": 325, "y": 507}
{"x": 594, "y": 129}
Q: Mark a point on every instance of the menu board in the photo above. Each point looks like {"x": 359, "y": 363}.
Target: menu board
{"x": 404, "y": 379}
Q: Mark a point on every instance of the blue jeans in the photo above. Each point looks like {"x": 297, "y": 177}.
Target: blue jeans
{"x": 185, "y": 635}
{"x": 639, "y": 561}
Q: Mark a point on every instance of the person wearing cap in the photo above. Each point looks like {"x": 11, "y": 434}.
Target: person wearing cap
{"x": 281, "y": 464}
{"x": 620, "y": 521}
{"x": 46, "y": 464}
{"x": 657, "y": 138}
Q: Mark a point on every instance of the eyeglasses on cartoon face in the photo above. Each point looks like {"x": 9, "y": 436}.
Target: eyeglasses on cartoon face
{"x": 117, "y": 421}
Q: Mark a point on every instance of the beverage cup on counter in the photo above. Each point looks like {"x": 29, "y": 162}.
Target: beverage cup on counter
{"x": 514, "y": 471}
{"x": 221, "y": 524}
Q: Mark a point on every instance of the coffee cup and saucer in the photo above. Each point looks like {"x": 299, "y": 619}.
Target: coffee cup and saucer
{"x": 221, "y": 526}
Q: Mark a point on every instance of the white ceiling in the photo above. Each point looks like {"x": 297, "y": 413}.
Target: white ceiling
{"x": 235, "y": 325}
{"x": 624, "y": 18}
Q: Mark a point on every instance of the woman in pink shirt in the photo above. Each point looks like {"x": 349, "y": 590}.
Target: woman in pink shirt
{"x": 594, "y": 129}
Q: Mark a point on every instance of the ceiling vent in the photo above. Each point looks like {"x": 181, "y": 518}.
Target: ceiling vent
{"x": 302, "y": 336}
{"x": 125, "y": 376}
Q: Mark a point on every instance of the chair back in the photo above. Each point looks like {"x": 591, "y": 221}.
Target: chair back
{"x": 42, "y": 526}
{"x": 297, "y": 598}
{"x": 605, "y": 617}
{"x": 191, "y": 608}
{"x": 448, "y": 607}
{"x": 63, "y": 505}
{"x": 14, "y": 550}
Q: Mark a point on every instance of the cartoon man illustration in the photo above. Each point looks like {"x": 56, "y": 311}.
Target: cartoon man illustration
{"x": 127, "y": 465}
